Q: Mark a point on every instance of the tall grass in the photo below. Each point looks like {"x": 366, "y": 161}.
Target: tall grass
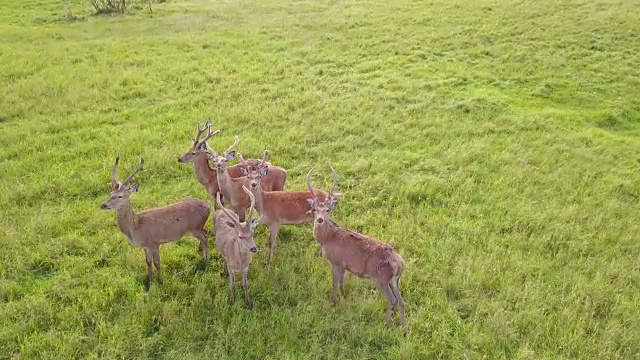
{"x": 493, "y": 143}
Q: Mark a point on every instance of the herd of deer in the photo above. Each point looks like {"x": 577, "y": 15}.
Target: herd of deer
{"x": 254, "y": 184}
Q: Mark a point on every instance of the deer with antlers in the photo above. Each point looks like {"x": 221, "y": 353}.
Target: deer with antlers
{"x": 234, "y": 240}
{"x": 279, "y": 208}
{"x": 207, "y": 176}
{"x": 231, "y": 187}
{"x": 347, "y": 250}
{"x": 151, "y": 228}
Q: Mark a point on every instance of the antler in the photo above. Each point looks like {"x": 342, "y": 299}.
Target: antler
{"x": 242, "y": 160}
{"x": 218, "y": 202}
{"x": 253, "y": 203}
{"x": 335, "y": 181}
{"x": 231, "y": 215}
{"x": 126, "y": 182}
{"x": 114, "y": 180}
{"x": 235, "y": 143}
{"x": 196, "y": 140}
{"x": 210, "y": 150}
{"x": 313, "y": 195}
{"x": 264, "y": 159}
{"x": 209, "y": 135}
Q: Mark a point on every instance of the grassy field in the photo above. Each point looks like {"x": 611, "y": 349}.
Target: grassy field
{"x": 494, "y": 143}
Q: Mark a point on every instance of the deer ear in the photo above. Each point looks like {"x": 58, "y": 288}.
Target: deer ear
{"x": 332, "y": 203}
{"x": 311, "y": 202}
{"x": 231, "y": 156}
{"x": 243, "y": 169}
{"x": 210, "y": 157}
{"x": 134, "y": 188}
{"x": 264, "y": 171}
{"x": 230, "y": 224}
{"x": 255, "y": 222}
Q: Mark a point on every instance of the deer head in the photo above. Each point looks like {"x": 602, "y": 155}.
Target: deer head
{"x": 220, "y": 161}
{"x": 121, "y": 191}
{"x": 256, "y": 175}
{"x": 244, "y": 230}
{"x": 321, "y": 209}
{"x": 199, "y": 146}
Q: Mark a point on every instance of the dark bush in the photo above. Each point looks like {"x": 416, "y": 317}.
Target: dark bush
{"x": 109, "y": 6}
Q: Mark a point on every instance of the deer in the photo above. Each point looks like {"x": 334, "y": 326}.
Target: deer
{"x": 231, "y": 187}
{"x": 359, "y": 254}
{"x": 234, "y": 240}
{"x": 279, "y": 208}
{"x": 207, "y": 176}
{"x": 151, "y": 228}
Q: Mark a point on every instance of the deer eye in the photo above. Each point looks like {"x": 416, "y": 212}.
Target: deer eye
{"x": 119, "y": 196}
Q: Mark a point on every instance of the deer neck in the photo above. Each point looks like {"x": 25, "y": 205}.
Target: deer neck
{"x": 204, "y": 173}
{"x": 324, "y": 232}
{"x": 126, "y": 219}
{"x": 224, "y": 182}
{"x": 257, "y": 193}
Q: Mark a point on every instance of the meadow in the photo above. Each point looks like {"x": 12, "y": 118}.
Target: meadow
{"x": 494, "y": 143}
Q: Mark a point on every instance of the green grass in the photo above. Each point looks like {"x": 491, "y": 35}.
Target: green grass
{"x": 494, "y": 143}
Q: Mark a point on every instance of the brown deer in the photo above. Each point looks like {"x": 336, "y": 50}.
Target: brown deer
{"x": 357, "y": 253}
{"x": 231, "y": 187}
{"x": 207, "y": 176}
{"x": 151, "y": 228}
{"x": 279, "y": 208}
{"x": 234, "y": 240}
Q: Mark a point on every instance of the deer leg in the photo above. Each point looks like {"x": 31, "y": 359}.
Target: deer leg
{"x": 344, "y": 293}
{"x": 232, "y": 284}
{"x": 245, "y": 288}
{"x": 337, "y": 275}
{"x": 148, "y": 256}
{"x": 273, "y": 234}
{"x": 203, "y": 236}
{"x": 391, "y": 299}
{"x": 224, "y": 270}
{"x": 241, "y": 213}
{"x": 156, "y": 261}
{"x": 395, "y": 289}
{"x": 205, "y": 245}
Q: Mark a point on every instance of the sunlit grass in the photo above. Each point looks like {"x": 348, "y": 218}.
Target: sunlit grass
{"x": 493, "y": 143}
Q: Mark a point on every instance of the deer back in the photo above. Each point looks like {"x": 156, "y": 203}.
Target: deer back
{"x": 287, "y": 207}
{"x": 170, "y": 222}
{"x": 275, "y": 179}
{"x": 359, "y": 253}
